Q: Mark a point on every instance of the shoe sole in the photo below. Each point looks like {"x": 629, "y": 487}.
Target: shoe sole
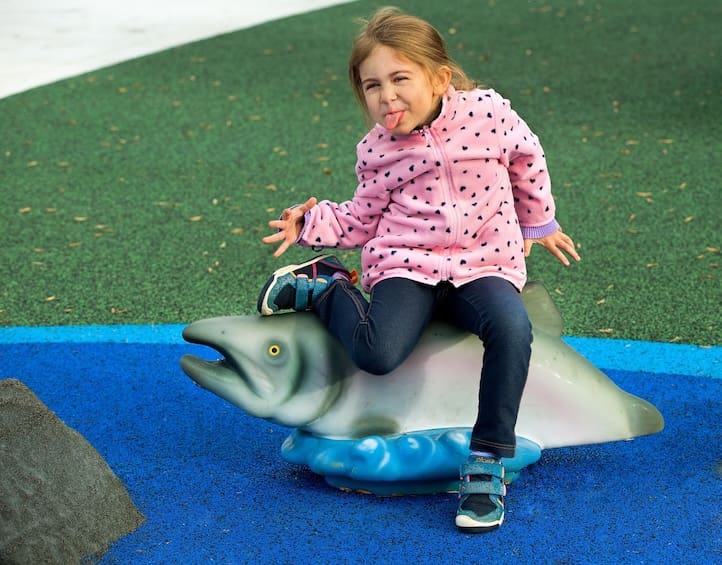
{"x": 473, "y": 527}
{"x": 262, "y": 305}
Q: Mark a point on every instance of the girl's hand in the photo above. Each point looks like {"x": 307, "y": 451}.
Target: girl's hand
{"x": 556, "y": 243}
{"x": 289, "y": 226}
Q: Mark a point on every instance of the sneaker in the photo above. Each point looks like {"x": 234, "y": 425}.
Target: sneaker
{"x": 481, "y": 494}
{"x": 297, "y": 286}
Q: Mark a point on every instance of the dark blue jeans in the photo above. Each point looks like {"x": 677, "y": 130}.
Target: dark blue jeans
{"x": 381, "y": 333}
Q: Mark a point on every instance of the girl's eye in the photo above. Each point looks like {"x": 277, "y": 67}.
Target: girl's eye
{"x": 370, "y": 86}
{"x": 274, "y": 350}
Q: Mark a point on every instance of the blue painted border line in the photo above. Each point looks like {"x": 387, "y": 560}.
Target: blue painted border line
{"x": 637, "y": 356}
{"x": 650, "y": 356}
{"x": 163, "y": 334}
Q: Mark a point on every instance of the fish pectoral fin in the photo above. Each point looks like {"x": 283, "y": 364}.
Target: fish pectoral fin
{"x": 374, "y": 425}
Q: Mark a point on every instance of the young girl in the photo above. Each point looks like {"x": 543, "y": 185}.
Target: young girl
{"x": 453, "y": 190}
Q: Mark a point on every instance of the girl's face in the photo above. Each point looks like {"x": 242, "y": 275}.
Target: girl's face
{"x": 400, "y": 94}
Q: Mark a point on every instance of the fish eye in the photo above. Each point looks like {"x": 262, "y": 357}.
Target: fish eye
{"x": 274, "y": 350}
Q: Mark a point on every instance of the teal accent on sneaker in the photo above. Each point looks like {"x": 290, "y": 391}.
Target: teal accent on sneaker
{"x": 481, "y": 494}
{"x": 296, "y": 287}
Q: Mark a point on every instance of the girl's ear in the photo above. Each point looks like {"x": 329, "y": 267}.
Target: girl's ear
{"x": 441, "y": 80}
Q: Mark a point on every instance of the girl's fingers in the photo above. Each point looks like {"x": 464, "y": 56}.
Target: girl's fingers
{"x": 563, "y": 258}
{"x": 310, "y": 203}
{"x": 287, "y": 226}
{"x": 568, "y": 245}
{"x": 273, "y": 238}
{"x": 281, "y": 249}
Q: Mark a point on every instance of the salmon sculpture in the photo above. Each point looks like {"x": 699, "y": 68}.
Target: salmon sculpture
{"x": 408, "y": 431}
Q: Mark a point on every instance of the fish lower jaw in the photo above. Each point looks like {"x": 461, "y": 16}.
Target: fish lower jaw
{"x": 204, "y": 372}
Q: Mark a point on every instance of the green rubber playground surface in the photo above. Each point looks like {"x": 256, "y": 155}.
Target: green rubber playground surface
{"x": 138, "y": 194}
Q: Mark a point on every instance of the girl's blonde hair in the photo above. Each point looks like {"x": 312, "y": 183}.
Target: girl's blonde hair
{"x": 412, "y": 37}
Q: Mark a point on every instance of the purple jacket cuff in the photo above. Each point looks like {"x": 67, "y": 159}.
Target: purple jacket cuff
{"x": 538, "y": 232}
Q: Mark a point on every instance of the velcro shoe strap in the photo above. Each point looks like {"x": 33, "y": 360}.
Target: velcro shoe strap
{"x": 308, "y": 290}
{"x": 494, "y": 486}
{"x": 482, "y": 466}
{"x": 320, "y": 284}
{"x": 303, "y": 285}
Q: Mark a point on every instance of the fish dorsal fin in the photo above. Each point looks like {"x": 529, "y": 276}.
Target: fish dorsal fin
{"x": 542, "y": 311}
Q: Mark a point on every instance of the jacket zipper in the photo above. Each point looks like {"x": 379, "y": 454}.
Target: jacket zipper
{"x": 447, "y": 185}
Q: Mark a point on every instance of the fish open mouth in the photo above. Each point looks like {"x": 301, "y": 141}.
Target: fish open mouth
{"x": 221, "y": 375}
{"x": 201, "y": 370}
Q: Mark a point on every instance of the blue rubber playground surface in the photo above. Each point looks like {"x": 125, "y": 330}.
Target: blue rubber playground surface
{"x": 214, "y": 488}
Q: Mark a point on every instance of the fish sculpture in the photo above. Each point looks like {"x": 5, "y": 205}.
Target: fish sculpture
{"x": 407, "y": 431}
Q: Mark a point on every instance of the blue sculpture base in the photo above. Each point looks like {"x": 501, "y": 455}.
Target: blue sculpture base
{"x": 422, "y": 462}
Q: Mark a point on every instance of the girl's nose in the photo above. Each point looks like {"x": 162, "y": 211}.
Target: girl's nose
{"x": 388, "y": 93}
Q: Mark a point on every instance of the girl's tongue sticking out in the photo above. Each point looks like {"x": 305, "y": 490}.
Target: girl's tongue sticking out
{"x": 392, "y": 119}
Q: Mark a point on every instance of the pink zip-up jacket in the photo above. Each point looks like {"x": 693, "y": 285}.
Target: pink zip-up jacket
{"x": 452, "y": 202}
